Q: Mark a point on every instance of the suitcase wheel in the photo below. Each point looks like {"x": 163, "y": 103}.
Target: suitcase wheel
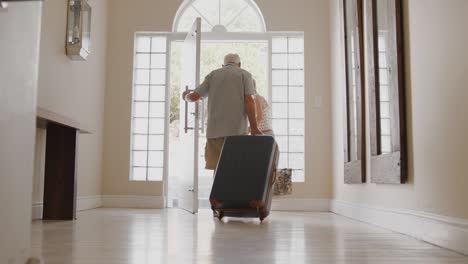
{"x": 220, "y": 215}
{"x": 262, "y": 217}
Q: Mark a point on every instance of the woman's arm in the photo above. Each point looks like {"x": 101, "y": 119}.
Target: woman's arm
{"x": 249, "y": 102}
{"x": 258, "y": 107}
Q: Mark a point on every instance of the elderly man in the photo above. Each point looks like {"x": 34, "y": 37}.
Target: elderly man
{"x": 231, "y": 102}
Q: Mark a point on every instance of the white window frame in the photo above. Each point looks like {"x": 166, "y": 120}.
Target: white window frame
{"x": 289, "y": 35}
{"x": 166, "y": 105}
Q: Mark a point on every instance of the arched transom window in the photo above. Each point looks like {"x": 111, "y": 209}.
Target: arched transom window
{"x": 220, "y": 16}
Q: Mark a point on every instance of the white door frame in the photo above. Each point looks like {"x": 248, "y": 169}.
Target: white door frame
{"x": 228, "y": 36}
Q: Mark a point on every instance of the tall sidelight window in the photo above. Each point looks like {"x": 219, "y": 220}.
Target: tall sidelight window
{"x": 149, "y": 108}
{"x": 287, "y": 96}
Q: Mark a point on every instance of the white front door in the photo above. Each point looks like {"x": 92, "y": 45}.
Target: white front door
{"x": 185, "y": 174}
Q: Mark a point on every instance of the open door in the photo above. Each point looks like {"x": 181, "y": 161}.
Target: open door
{"x": 184, "y": 176}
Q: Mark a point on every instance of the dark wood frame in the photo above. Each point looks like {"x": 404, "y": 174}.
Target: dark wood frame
{"x": 387, "y": 167}
{"x": 355, "y": 170}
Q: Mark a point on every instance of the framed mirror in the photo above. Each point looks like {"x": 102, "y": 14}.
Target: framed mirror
{"x": 386, "y": 91}
{"x": 354, "y": 138}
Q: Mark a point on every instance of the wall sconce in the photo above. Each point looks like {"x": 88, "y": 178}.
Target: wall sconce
{"x": 78, "y": 41}
{"x": 4, "y": 3}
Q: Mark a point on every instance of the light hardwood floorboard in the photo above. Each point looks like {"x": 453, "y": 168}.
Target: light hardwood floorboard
{"x": 118, "y": 236}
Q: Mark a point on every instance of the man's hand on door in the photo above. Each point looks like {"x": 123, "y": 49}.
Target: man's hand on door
{"x": 190, "y": 96}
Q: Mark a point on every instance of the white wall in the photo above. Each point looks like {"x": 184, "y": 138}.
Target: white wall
{"x": 127, "y": 17}
{"x": 20, "y": 28}
{"x": 38, "y": 177}
{"x": 437, "y": 89}
{"x": 75, "y": 89}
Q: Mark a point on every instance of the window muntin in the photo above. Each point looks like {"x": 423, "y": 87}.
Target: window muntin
{"x": 287, "y": 95}
{"x": 148, "y": 108}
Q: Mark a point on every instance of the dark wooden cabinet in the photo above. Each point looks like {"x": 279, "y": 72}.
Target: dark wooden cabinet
{"x": 60, "y": 164}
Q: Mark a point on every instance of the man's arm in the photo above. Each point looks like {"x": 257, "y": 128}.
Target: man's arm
{"x": 249, "y": 102}
{"x": 199, "y": 92}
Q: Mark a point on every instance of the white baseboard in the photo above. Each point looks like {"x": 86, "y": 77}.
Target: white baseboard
{"x": 303, "y": 205}
{"x": 446, "y": 232}
{"x": 157, "y": 202}
{"x": 37, "y": 208}
{"x": 82, "y": 203}
{"x": 127, "y": 201}
{"x": 88, "y": 202}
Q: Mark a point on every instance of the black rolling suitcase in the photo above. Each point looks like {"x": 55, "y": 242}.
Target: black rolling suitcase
{"x": 244, "y": 177}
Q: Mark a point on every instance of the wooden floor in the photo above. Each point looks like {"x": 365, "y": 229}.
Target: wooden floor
{"x": 117, "y": 236}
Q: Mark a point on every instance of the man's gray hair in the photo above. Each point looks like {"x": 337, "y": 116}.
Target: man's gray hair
{"x": 232, "y": 58}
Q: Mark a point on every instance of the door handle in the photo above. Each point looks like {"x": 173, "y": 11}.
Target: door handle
{"x": 202, "y": 123}
{"x": 186, "y": 113}
{"x": 186, "y": 128}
